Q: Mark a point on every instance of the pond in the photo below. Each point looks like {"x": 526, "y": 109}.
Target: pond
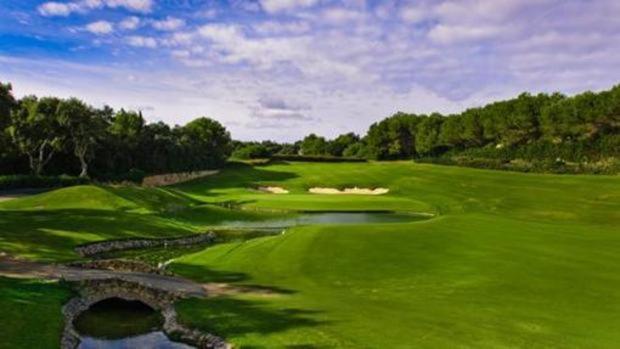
{"x": 118, "y": 324}
{"x": 309, "y": 218}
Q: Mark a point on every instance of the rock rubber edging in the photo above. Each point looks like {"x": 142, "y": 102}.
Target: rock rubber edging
{"x": 95, "y": 248}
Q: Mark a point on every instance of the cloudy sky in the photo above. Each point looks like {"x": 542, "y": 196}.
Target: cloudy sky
{"x": 279, "y": 69}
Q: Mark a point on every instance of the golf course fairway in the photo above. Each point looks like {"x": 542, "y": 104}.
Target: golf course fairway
{"x": 504, "y": 260}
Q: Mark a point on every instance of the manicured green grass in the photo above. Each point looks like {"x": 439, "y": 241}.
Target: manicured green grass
{"x": 30, "y": 316}
{"x": 48, "y": 226}
{"x": 510, "y": 260}
{"x": 514, "y": 260}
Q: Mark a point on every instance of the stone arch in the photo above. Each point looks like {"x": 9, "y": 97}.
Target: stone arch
{"x": 95, "y": 291}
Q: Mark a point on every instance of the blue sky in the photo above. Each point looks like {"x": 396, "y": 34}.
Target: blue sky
{"x": 280, "y": 69}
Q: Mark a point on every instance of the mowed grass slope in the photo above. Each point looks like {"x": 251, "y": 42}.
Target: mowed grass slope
{"x": 513, "y": 260}
{"x": 48, "y": 226}
{"x": 510, "y": 260}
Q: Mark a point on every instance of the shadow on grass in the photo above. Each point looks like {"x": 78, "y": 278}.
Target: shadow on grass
{"x": 31, "y": 316}
{"x": 205, "y": 274}
{"x": 231, "y": 317}
{"x": 52, "y": 234}
{"x": 154, "y": 199}
{"x": 235, "y": 175}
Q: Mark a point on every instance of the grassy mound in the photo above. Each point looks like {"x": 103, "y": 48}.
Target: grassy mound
{"x": 102, "y": 198}
{"x": 48, "y": 226}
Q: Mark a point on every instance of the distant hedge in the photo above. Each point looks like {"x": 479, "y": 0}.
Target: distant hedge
{"x": 608, "y": 166}
{"x": 134, "y": 176}
{"x": 315, "y": 158}
{"x": 29, "y": 181}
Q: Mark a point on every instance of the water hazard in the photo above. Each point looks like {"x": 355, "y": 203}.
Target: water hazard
{"x": 310, "y": 218}
{"x": 118, "y": 324}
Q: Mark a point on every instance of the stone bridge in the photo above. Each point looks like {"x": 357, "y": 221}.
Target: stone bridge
{"x": 95, "y": 291}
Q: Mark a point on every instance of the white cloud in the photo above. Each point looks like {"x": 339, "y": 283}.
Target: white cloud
{"x": 181, "y": 54}
{"x": 100, "y": 27}
{"x": 168, "y": 24}
{"x": 141, "y": 41}
{"x": 275, "y": 27}
{"x": 273, "y": 6}
{"x": 130, "y": 23}
{"x": 53, "y": 8}
{"x": 230, "y": 45}
{"x": 143, "y": 6}
{"x": 178, "y": 39}
{"x": 412, "y": 14}
{"x": 337, "y": 15}
{"x": 221, "y": 33}
{"x": 448, "y": 34}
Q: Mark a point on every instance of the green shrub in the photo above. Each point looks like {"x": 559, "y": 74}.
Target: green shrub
{"x": 608, "y": 166}
{"x": 134, "y": 175}
{"x": 251, "y": 151}
{"x": 30, "y": 181}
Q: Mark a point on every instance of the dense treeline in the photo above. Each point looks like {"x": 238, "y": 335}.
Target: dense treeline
{"x": 50, "y": 135}
{"x": 580, "y": 128}
{"x": 544, "y": 132}
{"x": 531, "y": 132}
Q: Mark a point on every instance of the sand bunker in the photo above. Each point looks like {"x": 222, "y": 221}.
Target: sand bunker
{"x": 354, "y": 190}
{"x": 273, "y": 190}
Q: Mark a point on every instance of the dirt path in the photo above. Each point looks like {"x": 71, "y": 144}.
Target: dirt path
{"x": 18, "y": 268}
{"x": 6, "y": 195}
{"x": 26, "y": 269}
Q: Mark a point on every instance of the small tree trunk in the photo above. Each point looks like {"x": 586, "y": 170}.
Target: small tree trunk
{"x": 84, "y": 165}
{"x": 80, "y": 151}
{"x": 33, "y": 164}
{"x": 42, "y": 159}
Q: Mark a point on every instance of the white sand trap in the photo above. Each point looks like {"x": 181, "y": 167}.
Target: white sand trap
{"x": 273, "y": 190}
{"x": 354, "y": 191}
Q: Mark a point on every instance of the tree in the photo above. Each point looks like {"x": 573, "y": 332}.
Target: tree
{"x": 208, "y": 142}
{"x": 289, "y": 149}
{"x": 36, "y": 131}
{"x": 472, "y": 132}
{"x": 393, "y": 137}
{"x": 428, "y": 130}
{"x": 451, "y": 133}
{"x": 355, "y": 150}
{"x": 337, "y": 146}
{"x": 160, "y": 148}
{"x": 252, "y": 151}
{"x": 313, "y": 145}
{"x": 7, "y": 103}
{"x": 126, "y": 132}
{"x": 83, "y": 127}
